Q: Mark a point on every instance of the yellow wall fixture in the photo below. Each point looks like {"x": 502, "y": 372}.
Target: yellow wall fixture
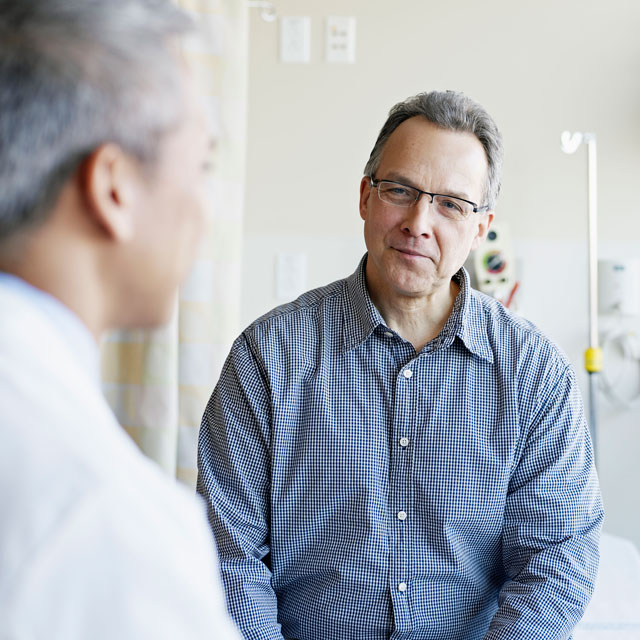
{"x": 593, "y": 359}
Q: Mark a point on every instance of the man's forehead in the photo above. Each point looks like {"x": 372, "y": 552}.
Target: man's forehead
{"x": 417, "y": 137}
{"x": 424, "y": 155}
{"x": 420, "y": 131}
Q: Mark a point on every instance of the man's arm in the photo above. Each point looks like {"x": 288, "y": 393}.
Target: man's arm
{"x": 234, "y": 467}
{"x": 552, "y": 524}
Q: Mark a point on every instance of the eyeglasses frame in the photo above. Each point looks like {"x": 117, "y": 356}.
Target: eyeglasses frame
{"x": 375, "y": 183}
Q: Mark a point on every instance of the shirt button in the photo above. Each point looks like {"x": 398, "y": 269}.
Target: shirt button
{"x": 388, "y": 334}
{"x": 402, "y": 515}
{"x": 404, "y": 442}
{"x": 407, "y": 373}
{"x": 402, "y": 587}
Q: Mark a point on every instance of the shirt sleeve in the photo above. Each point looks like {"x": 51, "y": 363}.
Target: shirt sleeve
{"x": 233, "y": 478}
{"x": 552, "y": 522}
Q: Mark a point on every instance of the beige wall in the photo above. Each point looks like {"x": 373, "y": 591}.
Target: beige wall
{"x": 539, "y": 68}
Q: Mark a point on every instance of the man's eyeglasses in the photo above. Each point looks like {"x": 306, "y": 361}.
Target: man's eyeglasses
{"x": 402, "y": 195}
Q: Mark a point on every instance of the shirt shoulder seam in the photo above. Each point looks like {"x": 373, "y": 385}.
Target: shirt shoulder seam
{"x": 284, "y": 311}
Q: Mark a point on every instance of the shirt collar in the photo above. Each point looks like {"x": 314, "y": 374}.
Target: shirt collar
{"x": 361, "y": 315}
{"x": 67, "y": 324}
{"x": 465, "y": 322}
{"x": 471, "y": 326}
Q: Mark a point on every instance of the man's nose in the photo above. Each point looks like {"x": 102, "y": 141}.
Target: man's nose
{"x": 419, "y": 217}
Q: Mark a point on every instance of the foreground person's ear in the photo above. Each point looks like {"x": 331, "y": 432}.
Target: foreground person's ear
{"x": 110, "y": 179}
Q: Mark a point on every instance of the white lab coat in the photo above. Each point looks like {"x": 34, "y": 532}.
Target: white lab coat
{"x": 95, "y": 542}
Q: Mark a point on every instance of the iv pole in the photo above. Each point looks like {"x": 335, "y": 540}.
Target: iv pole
{"x": 593, "y": 354}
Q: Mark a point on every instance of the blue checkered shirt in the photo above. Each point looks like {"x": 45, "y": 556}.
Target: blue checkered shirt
{"x": 360, "y": 490}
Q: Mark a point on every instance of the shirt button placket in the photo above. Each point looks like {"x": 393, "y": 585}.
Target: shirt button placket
{"x": 402, "y": 492}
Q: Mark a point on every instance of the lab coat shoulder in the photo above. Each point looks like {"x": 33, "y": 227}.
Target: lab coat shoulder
{"x": 95, "y": 541}
{"x": 118, "y": 566}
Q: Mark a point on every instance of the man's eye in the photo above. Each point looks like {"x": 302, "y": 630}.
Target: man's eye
{"x": 397, "y": 191}
{"x": 451, "y": 205}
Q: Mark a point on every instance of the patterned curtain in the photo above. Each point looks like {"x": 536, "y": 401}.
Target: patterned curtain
{"x": 158, "y": 382}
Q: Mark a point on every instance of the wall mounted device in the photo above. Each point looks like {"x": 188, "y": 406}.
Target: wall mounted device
{"x": 494, "y": 265}
{"x": 295, "y": 39}
{"x": 619, "y": 287}
{"x": 341, "y": 39}
{"x": 619, "y": 306}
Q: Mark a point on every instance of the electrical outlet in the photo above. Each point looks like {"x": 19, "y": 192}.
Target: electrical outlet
{"x": 341, "y": 39}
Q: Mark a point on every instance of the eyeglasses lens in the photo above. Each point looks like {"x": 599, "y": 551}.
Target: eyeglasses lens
{"x": 404, "y": 196}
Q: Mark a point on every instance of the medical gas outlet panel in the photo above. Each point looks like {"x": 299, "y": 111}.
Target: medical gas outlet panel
{"x": 494, "y": 265}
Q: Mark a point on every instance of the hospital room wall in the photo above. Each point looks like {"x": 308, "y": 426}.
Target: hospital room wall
{"x": 539, "y": 68}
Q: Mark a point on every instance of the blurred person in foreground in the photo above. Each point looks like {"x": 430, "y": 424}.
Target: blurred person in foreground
{"x": 103, "y": 148}
{"x": 395, "y": 455}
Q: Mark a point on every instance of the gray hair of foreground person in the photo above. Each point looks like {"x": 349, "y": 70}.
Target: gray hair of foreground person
{"x": 75, "y": 74}
{"x": 448, "y": 110}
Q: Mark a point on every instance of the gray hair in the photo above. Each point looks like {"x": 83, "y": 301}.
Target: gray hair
{"x": 449, "y": 110}
{"x": 75, "y": 74}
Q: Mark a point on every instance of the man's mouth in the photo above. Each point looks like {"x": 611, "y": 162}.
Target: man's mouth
{"x": 410, "y": 252}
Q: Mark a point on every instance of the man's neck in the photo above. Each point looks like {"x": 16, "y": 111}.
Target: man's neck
{"x": 62, "y": 270}
{"x": 417, "y": 319}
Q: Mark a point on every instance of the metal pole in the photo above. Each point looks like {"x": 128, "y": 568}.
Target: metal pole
{"x": 593, "y": 355}
{"x": 592, "y": 181}
{"x": 593, "y": 409}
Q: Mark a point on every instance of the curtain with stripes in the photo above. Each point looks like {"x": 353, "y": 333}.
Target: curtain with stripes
{"x": 158, "y": 382}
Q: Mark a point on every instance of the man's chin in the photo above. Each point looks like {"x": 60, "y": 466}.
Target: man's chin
{"x": 413, "y": 279}
{"x": 413, "y": 288}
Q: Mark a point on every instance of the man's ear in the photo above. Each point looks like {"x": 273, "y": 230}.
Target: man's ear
{"x": 484, "y": 223}
{"x": 365, "y": 192}
{"x": 110, "y": 184}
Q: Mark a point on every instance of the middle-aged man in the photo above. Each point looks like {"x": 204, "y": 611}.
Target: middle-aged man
{"x": 102, "y": 152}
{"x": 395, "y": 455}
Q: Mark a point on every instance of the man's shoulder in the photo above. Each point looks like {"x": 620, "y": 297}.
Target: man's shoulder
{"x": 58, "y": 432}
{"x": 510, "y": 335}
{"x": 308, "y": 311}
{"x": 64, "y": 469}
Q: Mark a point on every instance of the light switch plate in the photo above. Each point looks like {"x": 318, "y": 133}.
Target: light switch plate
{"x": 295, "y": 39}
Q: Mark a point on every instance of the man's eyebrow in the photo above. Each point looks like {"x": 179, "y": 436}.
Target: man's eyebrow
{"x": 457, "y": 194}
{"x": 398, "y": 177}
